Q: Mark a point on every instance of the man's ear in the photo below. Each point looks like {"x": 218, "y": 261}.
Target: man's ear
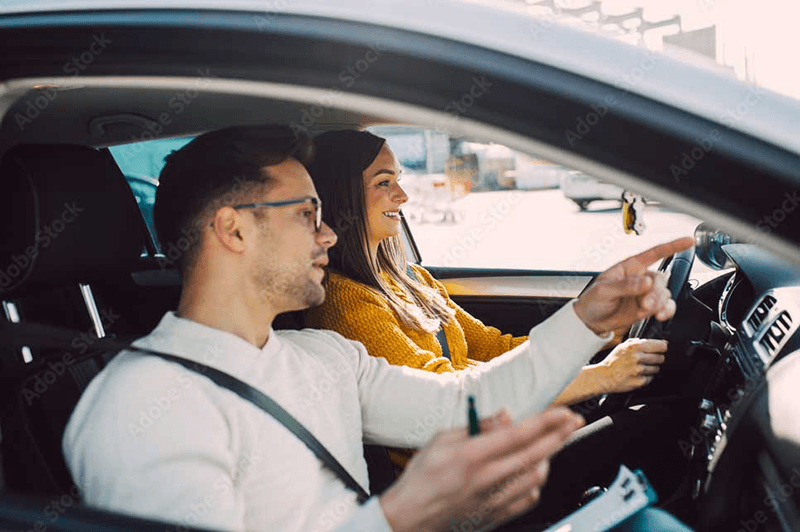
{"x": 227, "y": 227}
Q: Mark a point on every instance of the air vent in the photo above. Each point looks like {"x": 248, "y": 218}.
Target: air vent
{"x": 774, "y": 336}
{"x": 758, "y": 315}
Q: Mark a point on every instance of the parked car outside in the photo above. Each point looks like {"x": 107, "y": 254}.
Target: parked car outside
{"x": 584, "y": 189}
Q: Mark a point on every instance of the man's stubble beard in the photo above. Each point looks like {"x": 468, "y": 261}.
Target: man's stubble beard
{"x": 295, "y": 287}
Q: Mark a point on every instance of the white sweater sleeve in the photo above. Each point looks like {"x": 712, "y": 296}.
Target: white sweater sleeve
{"x": 405, "y": 407}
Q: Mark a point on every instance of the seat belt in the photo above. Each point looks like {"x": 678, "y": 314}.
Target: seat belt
{"x": 440, "y": 336}
{"x": 48, "y": 336}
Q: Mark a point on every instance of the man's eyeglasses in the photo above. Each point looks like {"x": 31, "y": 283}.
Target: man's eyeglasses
{"x": 314, "y": 201}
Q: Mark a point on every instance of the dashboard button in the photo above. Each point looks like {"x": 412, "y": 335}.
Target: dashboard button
{"x": 709, "y": 423}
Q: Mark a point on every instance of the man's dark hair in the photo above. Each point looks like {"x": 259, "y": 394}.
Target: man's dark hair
{"x": 219, "y": 168}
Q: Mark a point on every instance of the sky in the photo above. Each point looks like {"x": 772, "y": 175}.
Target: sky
{"x": 764, "y": 33}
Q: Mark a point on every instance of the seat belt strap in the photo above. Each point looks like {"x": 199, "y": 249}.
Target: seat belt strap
{"x": 440, "y": 335}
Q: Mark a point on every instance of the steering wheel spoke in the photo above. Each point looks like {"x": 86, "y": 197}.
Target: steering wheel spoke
{"x": 679, "y": 267}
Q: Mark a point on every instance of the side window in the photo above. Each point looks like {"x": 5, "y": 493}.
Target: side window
{"x": 483, "y": 205}
{"x": 141, "y": 162}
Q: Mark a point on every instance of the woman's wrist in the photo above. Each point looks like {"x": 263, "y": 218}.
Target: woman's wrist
{"x": 597, "y": 378}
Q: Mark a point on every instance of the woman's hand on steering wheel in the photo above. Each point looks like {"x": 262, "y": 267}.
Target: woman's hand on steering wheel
{"x": 631, "y": 365}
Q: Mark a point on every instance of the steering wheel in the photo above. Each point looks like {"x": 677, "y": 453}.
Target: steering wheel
{"x": 679, "y": 267}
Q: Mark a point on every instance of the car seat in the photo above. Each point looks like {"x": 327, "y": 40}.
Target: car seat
{"x": 70, "y": 220}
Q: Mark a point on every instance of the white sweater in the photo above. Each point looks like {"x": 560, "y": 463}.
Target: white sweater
{"x": 152, "y": 439}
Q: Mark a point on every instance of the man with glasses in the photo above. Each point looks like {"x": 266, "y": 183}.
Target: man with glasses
{"x": 313, "y": 201}
{"x": 152, "y": 439}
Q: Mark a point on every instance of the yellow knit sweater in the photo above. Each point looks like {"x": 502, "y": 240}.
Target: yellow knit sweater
{"x": 359, "y": 313}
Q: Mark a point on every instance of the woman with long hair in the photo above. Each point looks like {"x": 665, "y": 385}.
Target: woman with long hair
{"x": 400, "y": 312}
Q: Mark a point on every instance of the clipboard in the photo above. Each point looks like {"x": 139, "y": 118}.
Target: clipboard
{"x": 629, "y": 493}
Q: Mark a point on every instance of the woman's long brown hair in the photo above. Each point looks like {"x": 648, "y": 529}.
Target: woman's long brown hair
{"x": 337, "y": 170}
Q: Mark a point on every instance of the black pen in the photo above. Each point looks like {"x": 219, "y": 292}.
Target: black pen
{"x": 472, "y": 417}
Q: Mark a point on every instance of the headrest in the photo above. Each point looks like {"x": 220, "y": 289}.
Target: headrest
{"x": 66, "y": 215}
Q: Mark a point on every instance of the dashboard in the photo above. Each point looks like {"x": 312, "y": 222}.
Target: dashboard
{"x": 744, "y": 446}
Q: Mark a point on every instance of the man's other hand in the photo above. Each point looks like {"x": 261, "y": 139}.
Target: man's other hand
{"x": 482, "y": 480}
{"x": 627, "y": 292}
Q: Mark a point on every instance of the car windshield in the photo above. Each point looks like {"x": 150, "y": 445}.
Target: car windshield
{"x": 483, "y": 205}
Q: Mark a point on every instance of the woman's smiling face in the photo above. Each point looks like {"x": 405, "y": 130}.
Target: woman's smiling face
{"x": 383, "y": 197}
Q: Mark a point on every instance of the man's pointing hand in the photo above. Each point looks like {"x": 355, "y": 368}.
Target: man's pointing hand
{"x": 628, "y": 292}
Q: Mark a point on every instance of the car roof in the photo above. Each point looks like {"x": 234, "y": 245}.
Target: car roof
{"x": 705, "y": 92}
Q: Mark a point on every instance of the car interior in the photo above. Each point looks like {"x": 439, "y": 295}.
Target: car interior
{"x": 80, "y": 256}
{"x": 104, "y": 277}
